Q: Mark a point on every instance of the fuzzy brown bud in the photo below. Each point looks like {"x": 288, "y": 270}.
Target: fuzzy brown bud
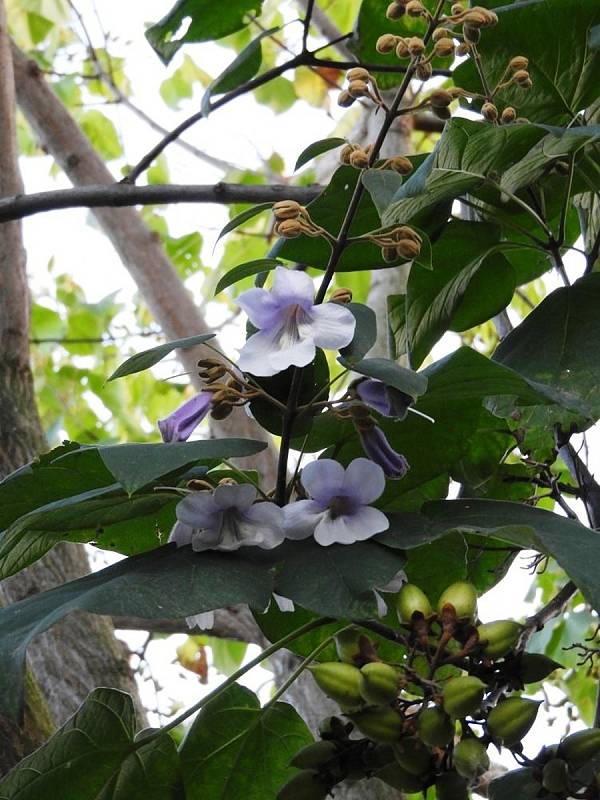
{"x": 395, "y": 11}
{"x": 386, "y": 43}
{"x": 441, "y": 98}
{"x": 402, "y": 50}
{"x": 463, "y": 49}
{"x": 359, "y": 159}
{"x": 444, "y": 47}
{"x": 287, "y": 209}
{"x": 518, "y": 62}
{"x": 289, "y": 228}
{"x": 346, "y": 152}
{"x": 508, "y": 115}
{"x": 471, "y": 33}
{"x": 441, "y": 33}
{"x": 358, "y": 89}
{"x": 389, "y": 254}
{"x": 341, "y": 295}
{"x": 521, "y": 76}
{"x": 456, "y": 9}
{"x": 415, "y": 45}
{"x": 414, "y": 8}
{"x": 442, "y": 113}
{"x": 490, "y": 112}
{"x": 401, "y": 165}
{"x": 404, "y": 232}
{"x": 408, "y": 249}
{"x": 424, "y": 71}
{"x": 358, "y": 74}
{"x": 345, "y": 99}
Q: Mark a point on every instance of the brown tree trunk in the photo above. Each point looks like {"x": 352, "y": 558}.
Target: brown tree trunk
{"x": 74, "y": 657}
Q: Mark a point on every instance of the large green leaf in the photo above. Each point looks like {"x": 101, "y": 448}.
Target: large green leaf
{"x": 148, "y": 358}
{"x": 337, "y": 580}
{"x": 207, "y": 21}
{"x": 553, "y": 35}
{"x": 136, "y": 465}
{"x": 365, "y": 333}
{"x": 470, "y": 282}
{"x": 328, "y": 211}
{"x": 167, "y": 582}
{"x": 316, "y": 149}
{"x": 94, "y": 756}
{"x": 237, "y": 751}
{"x": 556, "y": 345}
{"x": 575, "y": 547}
{"x": 249, "y": 268}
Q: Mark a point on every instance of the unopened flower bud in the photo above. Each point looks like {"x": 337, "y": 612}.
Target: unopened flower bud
{"x": 221, "y": 410}
{"x": 508, "y": 115}
{"x": 395, "y": 10}
{"x": 415, "y": 45}
{"x": 478, "y": 17}
{"x": 518, "y": 62}
{"x": 520, "y": 76}
{"x": 456, "y": 9}
{"x": 441, "y": 33}
{"x": 358, "y": 74}
{"x": 404, "y": 232}
{"x": 386, "y": 43}
{"x": 289, "y": 228}
{"x": 359, "y": 159}
{"x": 471, "y": 33}
{"x": 287, "y": 209}
{"x": 358, "y": 89}
{"x": 389, "y": 254}
{"x": 414, "y": 8}
{"x": 346, "y": 152}
{"x": 401, "y": 165}
{"x": 490, "y": 112}
{"x": 463, "y": 49}
{"x": 402, "y": 50}
{"x": 424, "y": 71}
{"x": 341, "y": 295}
{"x": 442, "y": 113}
{"x": 408, "y": 249}
{"x": 441, "y": 98}
{"x": 345, "y": 99}
{"x": 526, "y": 84}
{"x": 444, "y": 47}
{"x": 227, "y": 482}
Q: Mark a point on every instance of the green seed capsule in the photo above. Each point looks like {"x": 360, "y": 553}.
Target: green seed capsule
{"x": 347, "y": 645}
{"x": 381, "y": 724}
{"x": 379, "y": 683}
{"x": 412, "y": 755}
{"x": 511, "y": 720}
{"x": 306, "y": 785}
{"x": 340, "y": 682}
{"x": 394, "y": 775}
{"x": 451, "y": 786}
{"x": 580, "y": 747}
{"x": 462, "y": 696}
{"x": 498, "y": 638}
{"x": 435, "y": 727}
{"x": 315, "y": 754}
{"x": 470, "y": 758}
{"x": 462, "y": 596}
{"x": 534, "y": 667}
{"x": 555, "y": 777}
{"x": 411, "y": 599}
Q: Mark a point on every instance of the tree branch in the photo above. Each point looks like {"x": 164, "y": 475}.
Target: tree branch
{"x": 122, "y": 194}
{"x": 552, "y": 609}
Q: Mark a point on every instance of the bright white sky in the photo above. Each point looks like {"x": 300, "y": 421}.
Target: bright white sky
{"x": 242, "y": 132}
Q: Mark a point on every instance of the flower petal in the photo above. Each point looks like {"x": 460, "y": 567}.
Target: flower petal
{"x": 240, "y": 496}
{"x": 382, "y": 608}
{"x": 333, "y": 326}
{"x": 179, "y": 426}
{"x": 379, "y": 450}
{"x": 181, "y": 534}
{"x": 298, "y": 355}
{"x": 364, "y": 481}
{"x": 263, "y": 354}
{"x": 323, "y": 480}
{"x": 301, "y": 519}
{"x": 350, "y": 528}
{"x": 198, "y": 510}
{"x": 207, "y": 539}
{"x": 261, "y": 307}
{"x": 284, "y": 603}
{"x": 205, "y": 620}
{"x": 293, "y": 286}
{"x": 374, "y": 394}
{"x": 269, "y": 521}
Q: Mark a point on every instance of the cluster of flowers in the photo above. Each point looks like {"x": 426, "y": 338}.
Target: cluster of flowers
{"x": 337, "y": 501}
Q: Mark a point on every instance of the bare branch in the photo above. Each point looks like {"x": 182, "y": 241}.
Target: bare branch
{"x": 326, "y": 28}
{"x": 552, "y": 609}
{"x": 123, "y": 194}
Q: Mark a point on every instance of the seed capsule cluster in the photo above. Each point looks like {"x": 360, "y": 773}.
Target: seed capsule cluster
{"x": 427, "y": 717}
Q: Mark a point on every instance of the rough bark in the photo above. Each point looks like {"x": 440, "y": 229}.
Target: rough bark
{"x": 139, "y": 248}
{"x": 68, "y": 661}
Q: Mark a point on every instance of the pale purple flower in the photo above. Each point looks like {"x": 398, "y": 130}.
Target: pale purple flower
{"x": 338, "y": 509}
{"x": 385, "y": 399}
{"x": 205, "y": 620}
{"x": 392, "y": 586}
{"x": 227, "y": 519}
{"x": 290, "y": 326}
{"x": 379, "y": 450}
{"x": 179, "y": 426}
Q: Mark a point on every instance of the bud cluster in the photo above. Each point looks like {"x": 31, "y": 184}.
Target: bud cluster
{"x": 355, "y": 155}
{"x": 429, "y": 713}
{"x": 292, "y": 220}
{"x": 360, "y": 84}
{"x": 398, "y": 242}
